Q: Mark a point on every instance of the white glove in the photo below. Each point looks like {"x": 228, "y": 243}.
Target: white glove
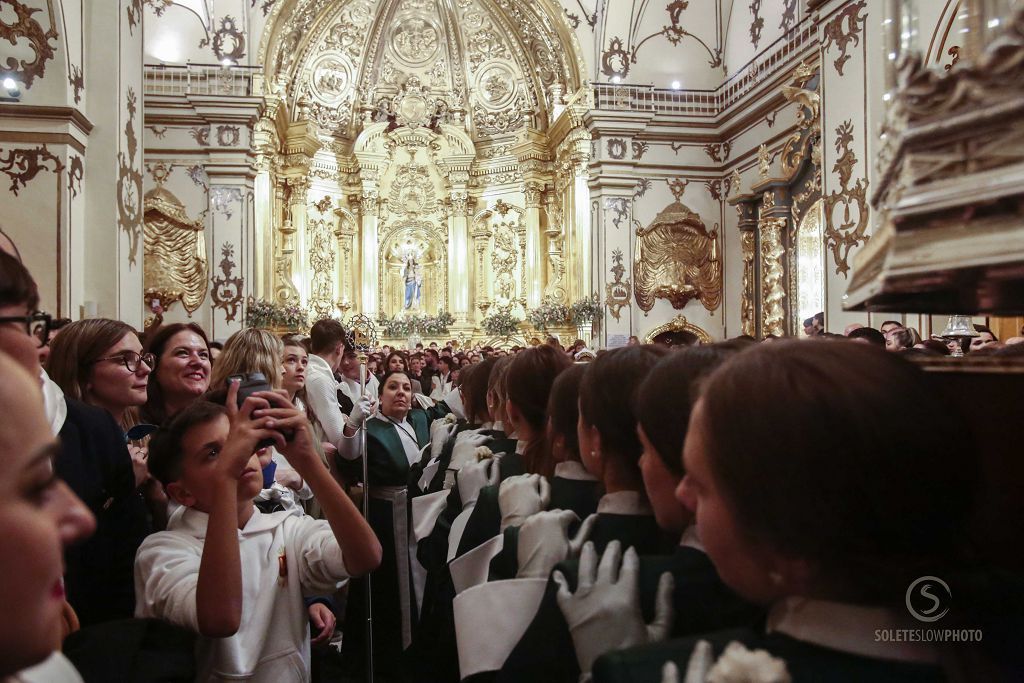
{"x": 604, "y": 613}
{"x": 362, "y": 409}
{"x": 701, "y": 661}
{"x": 521, "y": 496}
{"x": 544, "y": 541}
{"x": 440, "y": 432}
{"x": 464, "y": 452}
{"x": 474, "y": 477}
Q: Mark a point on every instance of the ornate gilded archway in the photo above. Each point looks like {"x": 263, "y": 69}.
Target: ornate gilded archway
{"x": 678, "y": 324}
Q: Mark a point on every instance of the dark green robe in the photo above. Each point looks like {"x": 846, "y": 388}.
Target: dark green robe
{"x": 434, "y": 647}
{"x": 388, "y": 466}
{"x": 579, "y": 495}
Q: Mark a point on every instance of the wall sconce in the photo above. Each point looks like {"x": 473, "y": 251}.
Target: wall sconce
{"x": 11, "y": 90}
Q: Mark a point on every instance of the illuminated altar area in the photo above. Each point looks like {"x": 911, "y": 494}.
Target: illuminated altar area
{"x": 416, "y": 163}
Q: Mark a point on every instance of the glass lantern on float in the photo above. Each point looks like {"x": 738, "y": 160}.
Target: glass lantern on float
{"x": 954, "y": 33}
{"x": 948, "y": 235}
{"x": 961, "y": 330}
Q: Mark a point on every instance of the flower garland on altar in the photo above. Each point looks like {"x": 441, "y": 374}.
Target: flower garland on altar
{"x": 586, "y": 309}
{"x": 405, "y": 326}
{"x": 500, "y": 324}
{"x": 549, "y": 314}
{"x": 266, "y": 314}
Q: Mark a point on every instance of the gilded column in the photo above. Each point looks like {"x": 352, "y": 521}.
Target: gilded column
{"x": 370, "y": 214}
{"x": 345, "y": 233}
{"x": 748, "y": 324}
{"x": 534, "y": 245}
{"x": 582, "y": 229}
{"x": 263, "y": 237}
{"x": 480, "y": 235}
{"x": 773, "y": 289}
{"x": 458, "y": 252}
{"x": 555, "y": 287}
{"x": 284, "y": 288}
{"x": 299, "y": 187}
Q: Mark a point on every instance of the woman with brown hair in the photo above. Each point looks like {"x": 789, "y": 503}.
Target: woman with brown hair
{"x": 843, "y": 484}
{"x": 396, "y": 362}
{"x": 100, "y": 361}
{"x": 182, "y": 371}
{"x": 572, "y": 487}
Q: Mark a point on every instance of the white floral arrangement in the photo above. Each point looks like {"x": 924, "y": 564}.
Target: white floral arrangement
{"x": 736, "y": 665}
{"x": 483, "y": 453}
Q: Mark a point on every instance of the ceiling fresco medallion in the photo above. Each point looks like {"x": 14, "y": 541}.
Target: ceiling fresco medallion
{"x": 330, "y": 78}
{"x": 415, "y": 41}
{"x": 496, "y": 85}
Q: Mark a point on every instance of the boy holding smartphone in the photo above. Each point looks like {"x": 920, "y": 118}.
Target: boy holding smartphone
{"x": 229, "y": 572}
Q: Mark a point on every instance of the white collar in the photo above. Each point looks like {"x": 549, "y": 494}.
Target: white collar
{"x": 520, "y": 446}
{"x": 53, "y": 402}
{"x": 573, "y": 470}
{"x": 389, "y": 420}
{"x": 193, "y": 522}
{"x": 320, "y": 364}
{"x": 691, "y": 539}
{"x": 624, "y": 503}
{"x": 845, "y": 627}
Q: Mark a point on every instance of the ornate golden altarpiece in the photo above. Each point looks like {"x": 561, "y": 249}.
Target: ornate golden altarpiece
{"x": 422, "y": 159}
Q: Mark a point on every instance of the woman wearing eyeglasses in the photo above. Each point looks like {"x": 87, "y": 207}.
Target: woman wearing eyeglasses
{"x": 100, "y": 361}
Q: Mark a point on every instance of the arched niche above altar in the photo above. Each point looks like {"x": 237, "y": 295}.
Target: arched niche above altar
{"x": 413, "y": 267}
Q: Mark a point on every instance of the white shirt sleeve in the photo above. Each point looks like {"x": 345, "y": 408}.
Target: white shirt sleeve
{"x": 166, "y": 577}
{"x": 321, "y": 564}
{"x": 322, "y": 396}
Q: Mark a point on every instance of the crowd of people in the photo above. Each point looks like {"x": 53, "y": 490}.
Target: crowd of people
{"x": 177, "y": 509}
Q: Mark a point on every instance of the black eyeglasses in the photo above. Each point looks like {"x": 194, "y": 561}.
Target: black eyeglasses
{"x": 131, "y": 360}
{"x": 36, "y": 325}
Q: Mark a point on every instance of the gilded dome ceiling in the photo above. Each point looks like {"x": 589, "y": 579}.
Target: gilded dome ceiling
{"x": 497, "y": 63}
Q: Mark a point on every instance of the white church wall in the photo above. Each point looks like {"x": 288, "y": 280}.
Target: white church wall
{"x": 752, "y": 26}
{"x": 73, "y": 157}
